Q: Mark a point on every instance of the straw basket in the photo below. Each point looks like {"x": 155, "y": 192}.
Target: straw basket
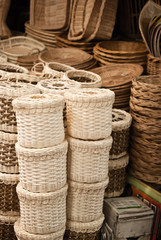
{"x": 117, "y": 176}
{"x": 85, "y": 201}
{"x": 8, "y": 92}
{"x": 42, "y": 213}
{"x": 8, "y": 158}
{"x": 21, "y": 77}
{"x": 42, "y": 170}
{"x": 57, "y": 69}
{"x": 88, "y": 160}
{"x": 6, "y": 227}
{"x": 87, "y": 79}
{"x": 121, "y": 122}
{"x": 153, "y": 65}
{"x": 23, "y": 235}
{"x": 9, "y": 204}
{"x": 12, "y": 68}
{"x": 39, "y": 120}
{"x": 89, "y": 113}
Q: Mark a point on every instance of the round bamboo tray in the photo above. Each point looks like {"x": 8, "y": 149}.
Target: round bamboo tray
{"x": 6, "y": 227}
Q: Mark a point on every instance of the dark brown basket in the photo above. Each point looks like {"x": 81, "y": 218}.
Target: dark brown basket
{"x": 6, "y": 229}
{"x": 153, "y": 65}
{"x": 69, "y": 235}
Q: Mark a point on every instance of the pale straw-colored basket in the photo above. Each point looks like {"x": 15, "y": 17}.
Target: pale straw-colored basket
{"x": 42, "y": 170}
{"x": 89, "y": 113}
{"x": 23, "y": 235}
{"x": 57, "y": 69}
{"x": 9, "y": 68}
{"x": 42, "y": 213}
{"x": 121, "y": 122}
{"x": 21, "y": 77}
{"x": 8, "y": 158}
{"x": 117, "y": 176}
{"x": 39, "y": 120}
{"x": 86, "y": 78}
{"x": 88, "y": 160}
{"x": 9, "y": 204}
{"x": 6, "y": 227}
{"x": 85, "y": 201}
{"x": 8, "y": 92}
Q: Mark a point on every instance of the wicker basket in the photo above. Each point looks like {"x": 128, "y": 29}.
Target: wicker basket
{"x": 121, "y": 122}
{"x": 88, "y": 160}
{"x": 35, "y": 131}
{"x": 85, "y": 201}
{"x": 42, "y": 170}
{"x": 9, "y": 204}
{"x": 21, "y": 77}
{"x": 12, "y": 68}
{"x": 117, "y": 176}
{"x": 8, "y": 158}
{"x": 89, "y": 113}
{"x": 87, "y": 79}
{"x": 153, "y": 65}
{"x": 42, "y": 213}
{"x": 57, "y": 69}
{"x": 8, "y": 92}
{"x": 6, "y": 227}
{"x": 23, "y": 235}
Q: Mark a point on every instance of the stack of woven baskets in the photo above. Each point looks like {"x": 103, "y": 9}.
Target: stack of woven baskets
{"x": 9, "y": 177}
{"x": 41, "y": 151}
{"x": 89, "y": 124}
{"x": 119, "y": 157}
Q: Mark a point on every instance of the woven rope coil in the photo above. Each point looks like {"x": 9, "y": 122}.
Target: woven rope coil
{"x": 23, "y": 235}
{"x": 35, "y": 131}
{"x": 8, "y": 158}
{"x": 42, "y": 213}
{"x": 6, "y": 227}
{"x": 88, "y": 160}
{"x": 86, "y": 78}
{"x": 9, "y": 204}
{"x": 8, "y": 92}
{"x": 89, "y": 113}
{"x": 117, "y": 176}
{"x": 85, "y": 201}
{"x": 121, "y": 122}
{"x": 42, "y": 170}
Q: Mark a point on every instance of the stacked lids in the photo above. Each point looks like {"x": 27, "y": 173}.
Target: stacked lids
{"x": 118, "y": 78}
{"x": 70, "y": 56}
{"x": 120, "y": 52}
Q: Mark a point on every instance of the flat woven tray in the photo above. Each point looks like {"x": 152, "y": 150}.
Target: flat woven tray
{"x": 6, "y": 227}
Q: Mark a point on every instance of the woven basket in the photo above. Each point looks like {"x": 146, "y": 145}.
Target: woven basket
{"x": 42, "y": 170}
{"x": 42, "y": 213}
{"x": 89, "y": 113}
{"x": 6, "y": 227}
{"x": 87, "y": 79}
{"x": 12, "y": 68}
{"x": 8, "y": 92}
{"x": 9, "y": 204}
{"x": 35, "y": 131}
{"x": 23, "y": 235}
{"x": 153, "y": 65}
{"x": 88, "y": 160}
{"x": 21, "y": 77}
{"x": 121, "y": 122}
{"x": 57, "y": 69}
{"x": 8, "y": 158}
{"x": 117, "y": 176}
{"x": 85, "y": 201}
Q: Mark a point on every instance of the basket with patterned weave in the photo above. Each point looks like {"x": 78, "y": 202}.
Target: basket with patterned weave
{"x": 85, "y": 200}
{"x": 8, "y": 158}
{"x": 153, "y": 65}
{"x": 6, "y": 227}
{"x": 117, "y": 176}
{"x": 121, "y": 121}
{"x": 42, "y": 213}
{"x": 9, "y": 204}
{"x": 57, "y": 69}
{"x": 8, "y": 92}
{"x": 39, "y": 120}
{"x": 34, "y": 165}
{"x": 89, "y": 113}
{"x": 88, "y": 160}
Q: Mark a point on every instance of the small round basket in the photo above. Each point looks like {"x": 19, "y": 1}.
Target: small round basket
{"x": 57, "y": 69}
{"x": 87, "y": 79}
{"x": 88, "y": 160}
{"x": 121, "y": 122}
{"x": 117, "y": 176}
{"x": 9, "y": 204}
{"x": 6, "y": 227}
{"x": 23, "y": 235}
{"x": 39, "y": 120}
{"x": 9, "y": 68}
{"x": 89, "y": 113}
{"x": 42, "y": 213}
{"x": 85, "y": 201}
{"x": 8, "y": 92}
{"x": 42, "y": 170}
{"x": 8, "y": 158}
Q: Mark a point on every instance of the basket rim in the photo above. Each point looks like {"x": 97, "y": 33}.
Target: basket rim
{"x": 8, "y": 136}
{"x": 123, "y": 123}
{"x": 8, "y": 219}
{"x": 119, "y": 163}
{"x": 9, "y": 178}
